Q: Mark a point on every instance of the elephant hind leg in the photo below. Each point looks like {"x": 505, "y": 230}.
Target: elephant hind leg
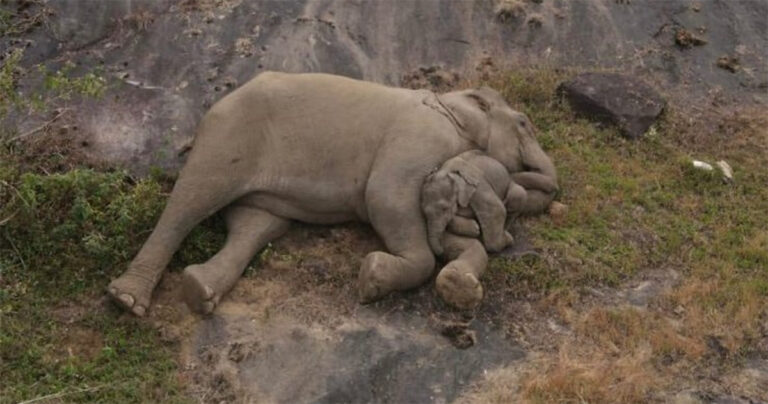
{"x": 192, "y": 200}
{"x": 250, "y": 229}
{"x": 397, "y": 219}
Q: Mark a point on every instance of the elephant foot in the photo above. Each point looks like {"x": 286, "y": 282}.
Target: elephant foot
{"x": 460, "y": 289}
{"x": 132, "y": 291}
{"x": 198, "y": 292}
{"x": 374, "y": 280}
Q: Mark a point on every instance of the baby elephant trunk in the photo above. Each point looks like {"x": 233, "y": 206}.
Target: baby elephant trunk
{"x": 439, "y": 204}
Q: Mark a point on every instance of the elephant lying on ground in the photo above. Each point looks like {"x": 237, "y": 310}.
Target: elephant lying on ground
{"x": 321, "y": 149}
{"x": 474, "y": 180}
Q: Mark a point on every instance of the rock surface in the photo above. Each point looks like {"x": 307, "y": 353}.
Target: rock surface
{"x": 365, "y": 359}
{"x": 172, "y": 59}
{"x": 617, "y": 99}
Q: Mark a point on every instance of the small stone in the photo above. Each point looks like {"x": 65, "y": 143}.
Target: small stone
{"x": 679, "y": 310}
{"x": 727, "y": 171}
{"x": 557, "y": 212}
{"x": 696, "y": 7}
{"x": 193, "y": 32}
{"x": 535, "y": 21}
{"x": 730, "y": 63}
{"x": 702, "y": 165}
{"x": 687, "y": 39}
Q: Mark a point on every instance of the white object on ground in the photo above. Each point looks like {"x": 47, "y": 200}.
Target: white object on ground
{"x": 726, "y": 169}
{"x": 702, "y": 165}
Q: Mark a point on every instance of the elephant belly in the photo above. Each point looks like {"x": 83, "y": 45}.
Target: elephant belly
{"x": 310, "y": 201}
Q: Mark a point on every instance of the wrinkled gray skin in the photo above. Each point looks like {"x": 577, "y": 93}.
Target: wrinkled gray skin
{"x": 319, "y": 149}
{"x": 476, "y": 181}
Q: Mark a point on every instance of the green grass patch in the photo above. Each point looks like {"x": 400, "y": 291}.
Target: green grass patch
{"x": 63, "y": 237}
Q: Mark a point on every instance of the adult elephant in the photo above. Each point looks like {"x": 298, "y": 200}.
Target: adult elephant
{"x": 321, "y": 149}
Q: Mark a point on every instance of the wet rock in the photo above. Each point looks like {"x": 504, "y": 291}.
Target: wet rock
{"x": 614, "y": 98}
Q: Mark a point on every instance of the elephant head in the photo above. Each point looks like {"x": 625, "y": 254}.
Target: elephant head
{"x": 443, "y": 193}
{"x": 484, "y": 117}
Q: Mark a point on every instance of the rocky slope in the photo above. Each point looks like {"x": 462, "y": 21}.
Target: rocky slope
{"x": 171, "y": 59}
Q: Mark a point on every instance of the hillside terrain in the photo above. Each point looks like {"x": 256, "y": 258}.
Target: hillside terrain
{"x": 651, "y": 286}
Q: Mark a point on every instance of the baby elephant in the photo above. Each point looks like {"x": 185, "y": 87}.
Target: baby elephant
{"x": 474, "y": 182}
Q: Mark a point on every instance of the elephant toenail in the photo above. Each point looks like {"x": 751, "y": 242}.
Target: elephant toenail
{"x": 126, "y": 299}
{"x": 208, "y": 292}
{"x": 139, "y": 310}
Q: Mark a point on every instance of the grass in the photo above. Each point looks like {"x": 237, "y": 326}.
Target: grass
{"x": 64, "y": 236}
{"x": 637, "y": 207}
{"x": 65, "y": 231}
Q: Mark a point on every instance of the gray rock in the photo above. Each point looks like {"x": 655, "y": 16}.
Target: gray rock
{"x": 617, "y": 99}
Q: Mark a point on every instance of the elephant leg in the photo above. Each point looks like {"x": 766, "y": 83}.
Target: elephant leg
{"x": 190, "y": 202}
{"x": 395, "y": 215}
{"x": 458, "y": 283}
{"x": 249, "y": 230}
{"x": 526, "y": 201}
{"x": 464, "y": 227}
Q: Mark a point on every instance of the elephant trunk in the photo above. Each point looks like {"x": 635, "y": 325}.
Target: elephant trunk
{"x": 435, "y": 231}
{"x": 539, "y": 177}
{"x": 535, "y": 159}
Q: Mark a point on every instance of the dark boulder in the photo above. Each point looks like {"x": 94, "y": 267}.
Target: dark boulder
{"x": 613, "y": 98}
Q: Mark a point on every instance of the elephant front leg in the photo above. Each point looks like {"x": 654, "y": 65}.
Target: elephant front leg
{"x": 458, "y": 283}
{"x": 249, "y": 230}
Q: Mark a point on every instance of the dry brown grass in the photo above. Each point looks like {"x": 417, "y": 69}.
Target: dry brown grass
{"x": 634, "y": 208}
{"x": 575, "y": 377}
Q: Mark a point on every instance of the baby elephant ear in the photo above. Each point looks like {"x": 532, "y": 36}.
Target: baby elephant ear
{"x": 464, "y": 189}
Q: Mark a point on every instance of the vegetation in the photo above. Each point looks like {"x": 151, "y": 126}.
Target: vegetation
{"x": 49, "y": 88}
{"x": 65, "y": 230}
{"x": 639, "y": 207}
{"x": 63, "y": 237}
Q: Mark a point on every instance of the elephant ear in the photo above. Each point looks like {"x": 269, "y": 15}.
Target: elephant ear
{"x": 481, "y": 101}
{"x": 464, "y": 186}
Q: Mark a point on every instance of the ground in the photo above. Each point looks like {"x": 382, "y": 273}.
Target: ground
{"x": 650, "y": 287}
